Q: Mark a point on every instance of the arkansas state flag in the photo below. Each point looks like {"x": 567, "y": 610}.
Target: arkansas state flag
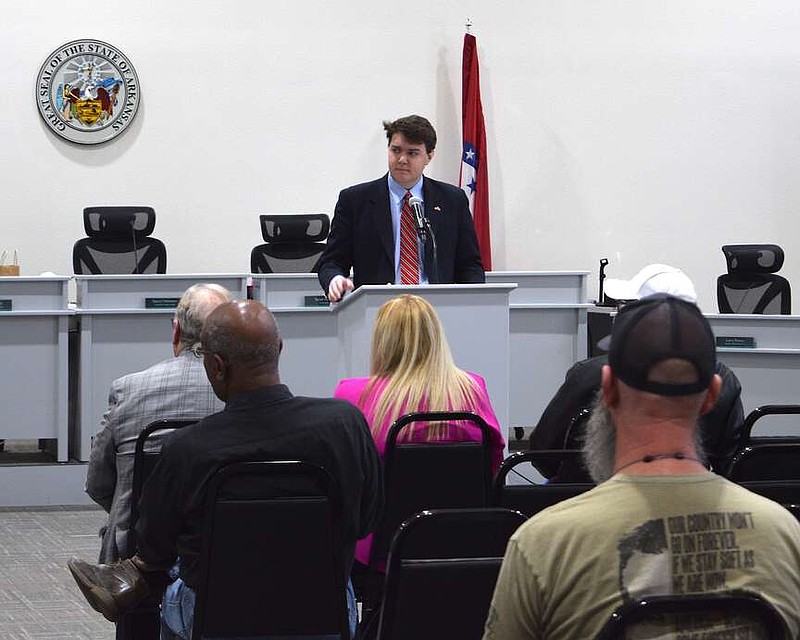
{"x": 474, "y": 178}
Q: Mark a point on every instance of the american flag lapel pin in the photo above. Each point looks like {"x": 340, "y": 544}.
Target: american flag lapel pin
{"x": 437, "y": 209}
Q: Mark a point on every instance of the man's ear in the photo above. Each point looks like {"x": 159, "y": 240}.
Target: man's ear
{"x": 216, "y": 368}
{"x": 712, "y": 394}
{"x": 176, "y": 336}
{"x": 609, "y": 386}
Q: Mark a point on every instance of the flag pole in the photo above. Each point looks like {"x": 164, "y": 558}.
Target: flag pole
{"x": 468, "y": 25}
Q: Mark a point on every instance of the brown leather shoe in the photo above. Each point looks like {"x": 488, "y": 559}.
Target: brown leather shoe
{"x": 111, "y": 589}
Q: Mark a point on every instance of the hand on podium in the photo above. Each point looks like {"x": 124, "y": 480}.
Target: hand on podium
{"x": 338, "y": 287}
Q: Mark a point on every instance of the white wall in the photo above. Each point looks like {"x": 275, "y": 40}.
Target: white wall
{"x": 640, "y": 130}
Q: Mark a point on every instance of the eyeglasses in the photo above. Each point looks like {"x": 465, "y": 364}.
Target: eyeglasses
{"x": 198, "y": 351}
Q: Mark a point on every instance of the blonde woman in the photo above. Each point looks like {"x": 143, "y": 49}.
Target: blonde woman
{"x": 412, "y": 370}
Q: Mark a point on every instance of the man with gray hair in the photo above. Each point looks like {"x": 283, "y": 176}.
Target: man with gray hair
{"x": 659, "y": 522}
{"x": 175, "y": 389}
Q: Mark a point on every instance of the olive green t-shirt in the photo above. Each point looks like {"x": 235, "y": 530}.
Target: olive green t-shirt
{"x": 570, "y": 566}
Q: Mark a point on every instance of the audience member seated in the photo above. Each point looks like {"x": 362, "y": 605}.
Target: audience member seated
{"x": 720, "y": 426}
{"x": 659, "y": 523}
{"x": 261, "y": 420}
{"x": 412, "y": 370}
{"x": 176, "y": 388}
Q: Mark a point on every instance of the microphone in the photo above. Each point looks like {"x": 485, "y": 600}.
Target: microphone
{"x": 419, "y": 218}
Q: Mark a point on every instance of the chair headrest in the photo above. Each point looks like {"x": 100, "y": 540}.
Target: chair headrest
{"x": 753, "y": 258}
{"x": 294, "y": 227}
{"x": 119, "y": 222}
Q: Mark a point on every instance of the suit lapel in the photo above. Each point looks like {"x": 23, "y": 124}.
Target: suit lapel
{"x": 378, "y": 206}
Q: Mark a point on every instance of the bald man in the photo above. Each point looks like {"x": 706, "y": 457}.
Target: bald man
{"x": 261, "y": 420}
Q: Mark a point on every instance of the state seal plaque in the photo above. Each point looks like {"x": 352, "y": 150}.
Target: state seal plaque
{"x": 87, "y": 91}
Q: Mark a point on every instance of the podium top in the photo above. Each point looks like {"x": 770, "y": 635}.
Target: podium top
{"x": 384, "y": 292}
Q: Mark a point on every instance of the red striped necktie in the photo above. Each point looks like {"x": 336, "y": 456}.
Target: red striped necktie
{"x": 409, "y": 259}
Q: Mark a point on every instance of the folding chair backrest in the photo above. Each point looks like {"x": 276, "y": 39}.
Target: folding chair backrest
{"x": 766, "y": 461}
{"x": 271, "y": 559}
{"x": 526, "y": 494}
{"x": 442, "y": 572}
{"x": 431, "y": 475}
{"x": 708, "y": 615}
{"x": 145, "y": 456}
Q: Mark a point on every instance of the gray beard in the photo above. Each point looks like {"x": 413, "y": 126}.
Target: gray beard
{"x": 599, "y": 445}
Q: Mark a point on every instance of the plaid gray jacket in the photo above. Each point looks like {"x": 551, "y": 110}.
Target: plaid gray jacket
{"x": 173, "y": 389}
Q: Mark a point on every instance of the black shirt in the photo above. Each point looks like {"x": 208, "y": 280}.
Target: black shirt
{"x": 264, "y": 424}
{"x": 720, "y": 428}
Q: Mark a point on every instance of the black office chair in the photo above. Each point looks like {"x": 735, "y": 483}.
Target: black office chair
{"x": 271, "y": 560}
{"x": 718, "y": 614}
{"x": 442, "y": 571}
{"x": 119, "y": 242}
{"x": 530, "y": 497}
{"x": 142, "y": 622}
{"x": 751, "y": 285}
{"x": 293, "y": 243}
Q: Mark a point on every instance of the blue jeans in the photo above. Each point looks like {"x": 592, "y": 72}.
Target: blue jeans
{"x": 177, "y": 615}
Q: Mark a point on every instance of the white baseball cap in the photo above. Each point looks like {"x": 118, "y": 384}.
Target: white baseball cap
{"x": 654, "y": 278}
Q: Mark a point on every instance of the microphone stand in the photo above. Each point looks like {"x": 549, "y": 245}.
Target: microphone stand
{"x": 435, "y": 265}
{"x": 600, "y": 298}
{"x": 135, "y": 251}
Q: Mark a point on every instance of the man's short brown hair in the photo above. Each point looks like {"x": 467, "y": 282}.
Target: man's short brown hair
{"x": 415, "y": 129}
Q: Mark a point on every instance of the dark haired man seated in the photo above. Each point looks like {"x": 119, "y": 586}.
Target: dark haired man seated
{"x": 261, "y": 420}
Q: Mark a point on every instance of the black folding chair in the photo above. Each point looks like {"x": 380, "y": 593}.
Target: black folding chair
{"x": 142, "y": 622}
{"x": 754, "y": 461}
{"x": 271, "y": 560}
{"x": 696, "y": 613}
{"x": 442, "y": 571}
{"x": 424, "y": 475}
{"x": 431, "y": 475}
{"x": 766, "y": 461}
{"x": 527, "y": 495}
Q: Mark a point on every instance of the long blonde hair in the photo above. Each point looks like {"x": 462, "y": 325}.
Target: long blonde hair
{"x": 412, "y": 368}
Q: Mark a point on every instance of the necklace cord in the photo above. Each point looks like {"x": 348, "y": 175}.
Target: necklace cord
{"x": 677, "y": 455}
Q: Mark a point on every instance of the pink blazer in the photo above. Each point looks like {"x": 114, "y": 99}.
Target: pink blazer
{"x": 351, "y": 389}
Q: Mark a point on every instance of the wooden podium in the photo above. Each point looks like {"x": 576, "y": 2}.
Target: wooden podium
{"x": 475, "y": 319}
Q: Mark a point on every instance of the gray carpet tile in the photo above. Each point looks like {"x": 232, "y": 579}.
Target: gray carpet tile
{"x": 38, "y": 597}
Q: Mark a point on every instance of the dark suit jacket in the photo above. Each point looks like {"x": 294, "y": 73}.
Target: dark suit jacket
{"x": 361, "y": 236}
{"x": 720, "y": 428}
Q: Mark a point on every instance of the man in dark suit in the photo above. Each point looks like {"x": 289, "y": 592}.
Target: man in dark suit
{"x": 366, "y": 227}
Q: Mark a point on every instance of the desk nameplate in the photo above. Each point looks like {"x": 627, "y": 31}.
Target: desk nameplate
{"x": 161, "y": 303}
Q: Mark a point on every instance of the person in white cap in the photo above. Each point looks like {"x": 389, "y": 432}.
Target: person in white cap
{"x": 720, "y": 428}
{"x": 654, "y": 278}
